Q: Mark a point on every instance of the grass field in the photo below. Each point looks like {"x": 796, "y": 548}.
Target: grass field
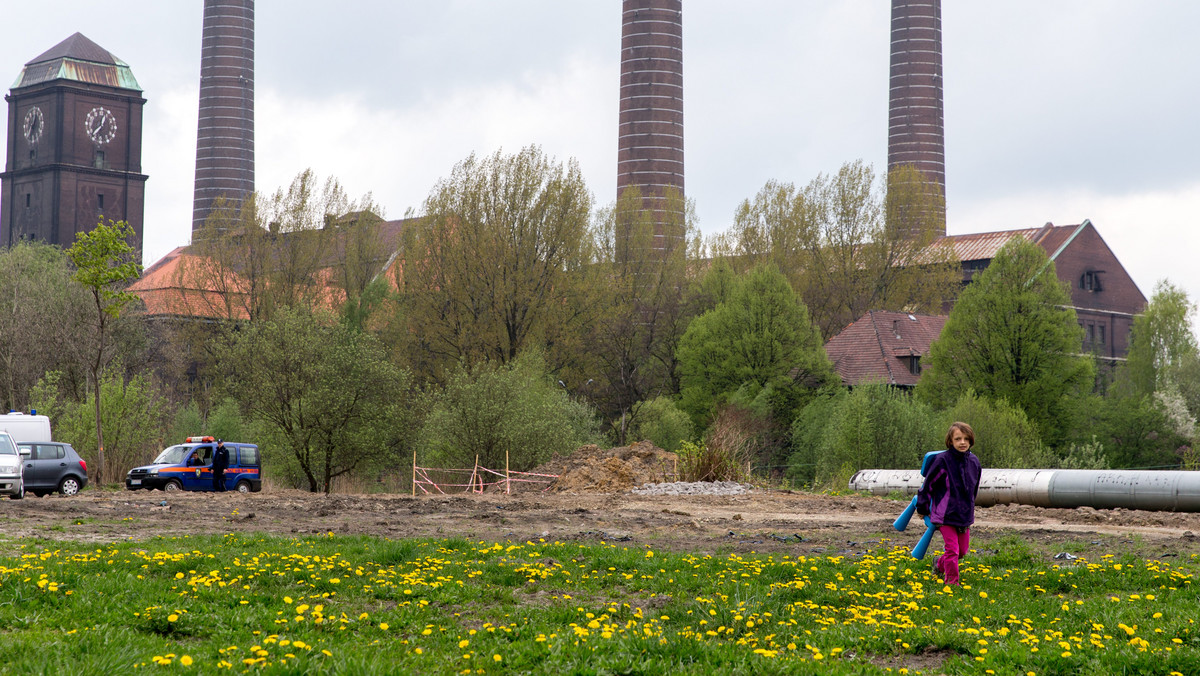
{"x": 356, "y": 605}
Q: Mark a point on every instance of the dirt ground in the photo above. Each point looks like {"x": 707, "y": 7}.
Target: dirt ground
{"x": 775, "y": 521}
{"x": 591, "y": 501}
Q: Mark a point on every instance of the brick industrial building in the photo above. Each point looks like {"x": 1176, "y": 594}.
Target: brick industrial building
{"x": 1103, "y": 295}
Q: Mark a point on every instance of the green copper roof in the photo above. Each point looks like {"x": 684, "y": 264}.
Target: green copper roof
{"x": 78, "y": 58}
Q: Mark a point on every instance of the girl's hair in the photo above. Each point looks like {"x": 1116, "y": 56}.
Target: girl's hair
{"x": 961, "y": 427}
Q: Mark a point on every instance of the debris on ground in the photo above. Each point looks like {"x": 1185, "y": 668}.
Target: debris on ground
{"x": 594, "y": 469}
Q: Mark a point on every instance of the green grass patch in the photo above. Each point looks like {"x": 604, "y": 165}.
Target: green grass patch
{"x": 339, "y": 605}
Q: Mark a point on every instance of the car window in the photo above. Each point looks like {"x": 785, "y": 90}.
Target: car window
{"x": 48, "y": 452}
{"x": 7, "y": 447}
{"x": 248, "y": 455}
{"x": 172, "y": 456}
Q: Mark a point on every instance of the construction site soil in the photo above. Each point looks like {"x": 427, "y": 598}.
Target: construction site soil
{"x": 592, "y": 501}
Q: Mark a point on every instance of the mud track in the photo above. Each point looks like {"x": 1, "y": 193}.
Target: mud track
{"x": 764, "y": 521}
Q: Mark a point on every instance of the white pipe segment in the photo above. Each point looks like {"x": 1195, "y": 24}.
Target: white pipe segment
{"x": 1172, "y": 491}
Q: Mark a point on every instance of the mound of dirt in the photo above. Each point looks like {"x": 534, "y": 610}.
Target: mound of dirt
{"x": 593, "y": 469}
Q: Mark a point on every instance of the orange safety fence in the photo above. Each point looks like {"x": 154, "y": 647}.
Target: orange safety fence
{"x": 478, "y": 479}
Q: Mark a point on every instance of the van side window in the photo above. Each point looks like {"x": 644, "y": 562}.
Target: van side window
{"x": 249, "y": 455}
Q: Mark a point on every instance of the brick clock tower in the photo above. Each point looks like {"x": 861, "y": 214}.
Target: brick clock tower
{"x": 74, "y": 147}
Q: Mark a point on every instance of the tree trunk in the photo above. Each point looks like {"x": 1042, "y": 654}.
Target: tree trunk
{"x": 99, "y": 433}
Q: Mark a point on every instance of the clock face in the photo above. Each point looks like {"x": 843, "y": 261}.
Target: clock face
{"x": 100, "y": 125}
{"x": 35, "y": 122}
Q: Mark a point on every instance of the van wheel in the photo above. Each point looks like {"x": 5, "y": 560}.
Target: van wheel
{"x": 243, "y": 487}
{"x": 172, "y": 486}
{"x": 69, "y": 486}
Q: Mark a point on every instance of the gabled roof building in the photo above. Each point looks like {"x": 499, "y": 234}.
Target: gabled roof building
{"x": 1105, "y": 298}
{"x": 887, "y": 346}
{"x": 884, "y": 347}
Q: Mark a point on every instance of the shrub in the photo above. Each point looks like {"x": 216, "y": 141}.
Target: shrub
{"x": 662, "y": 422}
{"x": 490, "y": 410}
{"x": 132, "y": 413}
{"x": 727, "y": 450}
{"x": 872, "y": 427}
{"x": 808, "y": 435}
{"x": 1004, "y": 435}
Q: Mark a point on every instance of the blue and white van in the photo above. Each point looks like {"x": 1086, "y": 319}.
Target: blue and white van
{"x": 188, "y": 467}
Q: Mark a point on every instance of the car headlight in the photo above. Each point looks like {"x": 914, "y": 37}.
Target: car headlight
{"x": 8, "y": 466}
{"x": 153, "y": 471}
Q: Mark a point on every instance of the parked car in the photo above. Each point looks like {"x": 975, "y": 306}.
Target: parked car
{"x": 11, "y": 483}
{"x": 188, "y": 467}
{"x": 52, "y": 466}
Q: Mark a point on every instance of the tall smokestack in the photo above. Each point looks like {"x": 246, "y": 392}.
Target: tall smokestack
{"x": 650, "y": 147}
{"x": 225, "y": 137}
{"x": 916, "y": 135}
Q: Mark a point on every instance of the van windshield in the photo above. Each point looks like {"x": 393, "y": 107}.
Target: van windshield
{"x": 172, "y": 456}
{"x": 7, "y": 447}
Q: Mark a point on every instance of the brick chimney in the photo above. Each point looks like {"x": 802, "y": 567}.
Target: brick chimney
{"x": 650, "y": 144}
{"x": 225, "y": 135}
{"x": 916, "y": 135}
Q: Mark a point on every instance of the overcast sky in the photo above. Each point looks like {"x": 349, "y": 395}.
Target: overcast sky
{"x": 1055, "y": 111}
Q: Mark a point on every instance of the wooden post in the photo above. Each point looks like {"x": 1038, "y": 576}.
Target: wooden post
{"x": 414, "y": 474}
{"x": 507, "y": 477}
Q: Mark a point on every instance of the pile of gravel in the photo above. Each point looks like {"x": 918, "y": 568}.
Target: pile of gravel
{"x": 694, "y": 488}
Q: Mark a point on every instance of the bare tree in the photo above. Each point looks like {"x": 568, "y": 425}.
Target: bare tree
{"x": 849, "y": 245}
{"x": 488, "y": 268}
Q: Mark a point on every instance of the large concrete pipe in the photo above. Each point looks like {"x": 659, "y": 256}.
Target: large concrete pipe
{"x": 1173, "y": 491}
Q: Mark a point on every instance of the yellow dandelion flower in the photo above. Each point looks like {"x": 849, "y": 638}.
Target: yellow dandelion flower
{"x": 383, "y": 626}
{"x": 186, "y": 660}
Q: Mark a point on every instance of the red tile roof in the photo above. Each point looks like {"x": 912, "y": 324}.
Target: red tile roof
{"x": 170, "y": 287}
{"x": 874, "y": 347}
{"x": 167, "y": 290}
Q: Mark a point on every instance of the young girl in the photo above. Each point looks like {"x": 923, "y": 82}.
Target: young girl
{"x": 947, "y": 497}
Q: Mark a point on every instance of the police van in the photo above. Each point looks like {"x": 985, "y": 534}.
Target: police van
{"x": 188, "y": 467}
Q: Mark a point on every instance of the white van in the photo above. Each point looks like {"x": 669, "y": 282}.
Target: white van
{"x": 26, "y": 427}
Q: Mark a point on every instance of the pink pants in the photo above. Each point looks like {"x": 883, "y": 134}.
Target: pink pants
{"x": 957, "y": 546}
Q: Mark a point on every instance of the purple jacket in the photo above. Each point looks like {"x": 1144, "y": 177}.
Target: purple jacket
{"x": 948, "y": 492}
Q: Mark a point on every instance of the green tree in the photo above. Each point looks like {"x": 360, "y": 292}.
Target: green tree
{"x": 1163, "y": 355}
{"x": 488, "y": 268}
{"x": 761, "y": 337}
{"x": 639, "y": 315}
{"x": 848, "y": 245}
{"x": 328, "y": 393}
{"x": 40, "y": 308}
{"x": 1012, "y": 335}
{"x": 512, "y": 411}
{"x": 104, "y": 265}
